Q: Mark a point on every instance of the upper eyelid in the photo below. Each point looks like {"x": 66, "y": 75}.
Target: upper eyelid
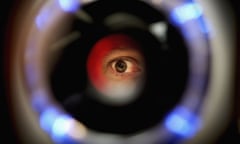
{"x": 128, "y": 58}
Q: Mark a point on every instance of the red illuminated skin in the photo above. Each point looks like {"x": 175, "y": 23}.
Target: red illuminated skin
{"x": 102, "y": 65}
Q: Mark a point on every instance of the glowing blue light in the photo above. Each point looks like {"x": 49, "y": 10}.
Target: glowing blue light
{"x": 61, "y": 126}
{"x": 47, "y": 119}
{"x": 56, "y": 124}
{"x": 204, "y": 26}
{"x": 182, "y": 122}
{"x": 69, "y": 5}
{"x": 39, "y": 100}
{"x": 186, "y": 12}
{"x": 42, "y": 18}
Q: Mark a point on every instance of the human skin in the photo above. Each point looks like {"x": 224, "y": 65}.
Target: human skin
{"x": 116, "y": 69}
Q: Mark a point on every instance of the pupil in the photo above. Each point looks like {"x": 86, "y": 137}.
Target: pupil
{"x": 121, "y": 66}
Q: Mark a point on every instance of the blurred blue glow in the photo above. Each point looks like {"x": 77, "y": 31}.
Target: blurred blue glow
{"x": 42, "y": 18}
{"x": 69, "y": 5}
{"x": 47, "y": 118}
{"x": 186, "y": 12}
{"x": 204, "y": 26}
{"x": 39, "y": 100}
{"x": 56, "y": 124}
{"x": 182, "y": 122}
{"x": 61, "y": 126}
{"x": 31, "y": 74}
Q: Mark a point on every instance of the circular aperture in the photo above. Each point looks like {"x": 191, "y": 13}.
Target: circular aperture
{"x": 107, "y": 100}
{"x": 135, "y": 68}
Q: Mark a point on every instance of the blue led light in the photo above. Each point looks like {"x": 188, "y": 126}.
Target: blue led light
{"x": 186, "y": 12}
{"x": 47, "y": 118}
{"x": 182, "y": 122}
{"x": 39, "y": 100}
{"x": 204, "y": 26}
{"x": 61, "y": 126}
{"x": 69, "y": 5}
{"x": 56, "y": 124}
{"x": 42, "y": 18}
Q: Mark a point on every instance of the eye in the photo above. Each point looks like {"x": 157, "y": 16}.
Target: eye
{"x": 122, "y": 67}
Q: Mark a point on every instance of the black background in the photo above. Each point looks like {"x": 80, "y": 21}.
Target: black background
{"x": 6, "y": 127}
{"x": 7, "y": 130}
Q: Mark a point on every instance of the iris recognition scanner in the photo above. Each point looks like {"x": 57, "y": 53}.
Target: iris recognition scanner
{"x": 121, "y": 71}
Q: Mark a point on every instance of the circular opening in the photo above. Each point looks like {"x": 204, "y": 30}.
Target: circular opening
{"x": 163, "y": 60}
{"x": 170, "y": 61}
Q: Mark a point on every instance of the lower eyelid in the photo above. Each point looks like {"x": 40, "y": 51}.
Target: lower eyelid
{"x": 127, "y": 74}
